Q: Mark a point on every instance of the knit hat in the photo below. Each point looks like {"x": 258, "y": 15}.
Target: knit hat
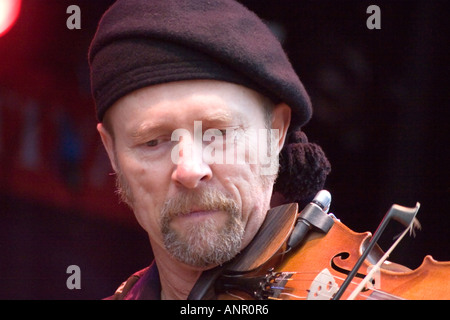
{"x": 140, "y": 43}
{"x": 221, "y": 32}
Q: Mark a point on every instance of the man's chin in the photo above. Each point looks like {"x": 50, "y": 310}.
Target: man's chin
{"x": 204, "y": 245}
{"x": 198, "y": 221}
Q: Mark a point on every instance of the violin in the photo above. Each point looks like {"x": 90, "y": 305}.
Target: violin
{"x": 311, "y": 255}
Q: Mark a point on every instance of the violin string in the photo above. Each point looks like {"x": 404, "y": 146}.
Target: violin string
{"x": 361, "y": 294}
{"x": 276, "y": 286}
{"x": 294, "y": 296}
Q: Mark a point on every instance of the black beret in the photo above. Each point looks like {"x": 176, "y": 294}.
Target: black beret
{"x": 141, "y": 42}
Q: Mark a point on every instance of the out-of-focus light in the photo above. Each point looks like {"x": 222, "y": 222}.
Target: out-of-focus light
{"x": 9, "y": 11}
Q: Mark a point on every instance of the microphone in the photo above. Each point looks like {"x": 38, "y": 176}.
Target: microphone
{"x": 313, "y": 217}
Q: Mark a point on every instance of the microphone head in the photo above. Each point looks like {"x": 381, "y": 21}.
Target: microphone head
{"x": 323, "y": 200}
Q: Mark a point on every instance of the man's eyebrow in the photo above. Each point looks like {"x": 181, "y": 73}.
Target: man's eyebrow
{"x": 144, "y": 129}
{"x": 217, "y": 117}
{"x": 213, "y": 118}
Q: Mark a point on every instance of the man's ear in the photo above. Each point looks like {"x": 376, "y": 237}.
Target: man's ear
{"x": 108, "y": 143}
{"x": 281, "y": 118}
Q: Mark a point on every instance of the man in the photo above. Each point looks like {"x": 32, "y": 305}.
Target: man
{"x": 183, "y": 91}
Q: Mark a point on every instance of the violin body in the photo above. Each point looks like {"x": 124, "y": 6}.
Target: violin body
{"x": 316, "y": 269}
{"x": 337, "y": 252}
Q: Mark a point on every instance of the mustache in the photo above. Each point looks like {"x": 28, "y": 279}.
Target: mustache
{"x": 204, "y": 200}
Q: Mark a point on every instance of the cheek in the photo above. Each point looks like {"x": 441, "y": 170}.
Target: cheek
{"x": 256, "y": 202}
{"x": 245, "y": 182}
{"x": 146, "y": 183}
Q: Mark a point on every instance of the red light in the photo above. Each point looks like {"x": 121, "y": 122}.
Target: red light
{"x": 9, "y": 11}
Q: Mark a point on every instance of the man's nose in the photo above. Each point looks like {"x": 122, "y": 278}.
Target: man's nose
{"x": 190, "y": 168}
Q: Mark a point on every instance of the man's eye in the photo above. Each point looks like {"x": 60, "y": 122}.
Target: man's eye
{"x": 229, "y": 131}
{"x": 152, "y": 143}
{"x": 157, "y": 141}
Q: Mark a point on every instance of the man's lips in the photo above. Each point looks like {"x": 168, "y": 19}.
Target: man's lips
{"x": 198, "y": 215}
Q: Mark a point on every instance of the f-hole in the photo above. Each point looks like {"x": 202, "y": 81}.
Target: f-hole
{"x": 345, "y": 256}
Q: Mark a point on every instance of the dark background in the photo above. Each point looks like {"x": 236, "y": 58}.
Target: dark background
{"x": 381, "y": 115}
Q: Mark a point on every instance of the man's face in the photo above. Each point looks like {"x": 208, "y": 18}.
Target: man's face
{"x": 186, "y": 158}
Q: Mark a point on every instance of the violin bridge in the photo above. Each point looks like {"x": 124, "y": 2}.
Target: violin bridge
{"x": 323, "y": 286}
